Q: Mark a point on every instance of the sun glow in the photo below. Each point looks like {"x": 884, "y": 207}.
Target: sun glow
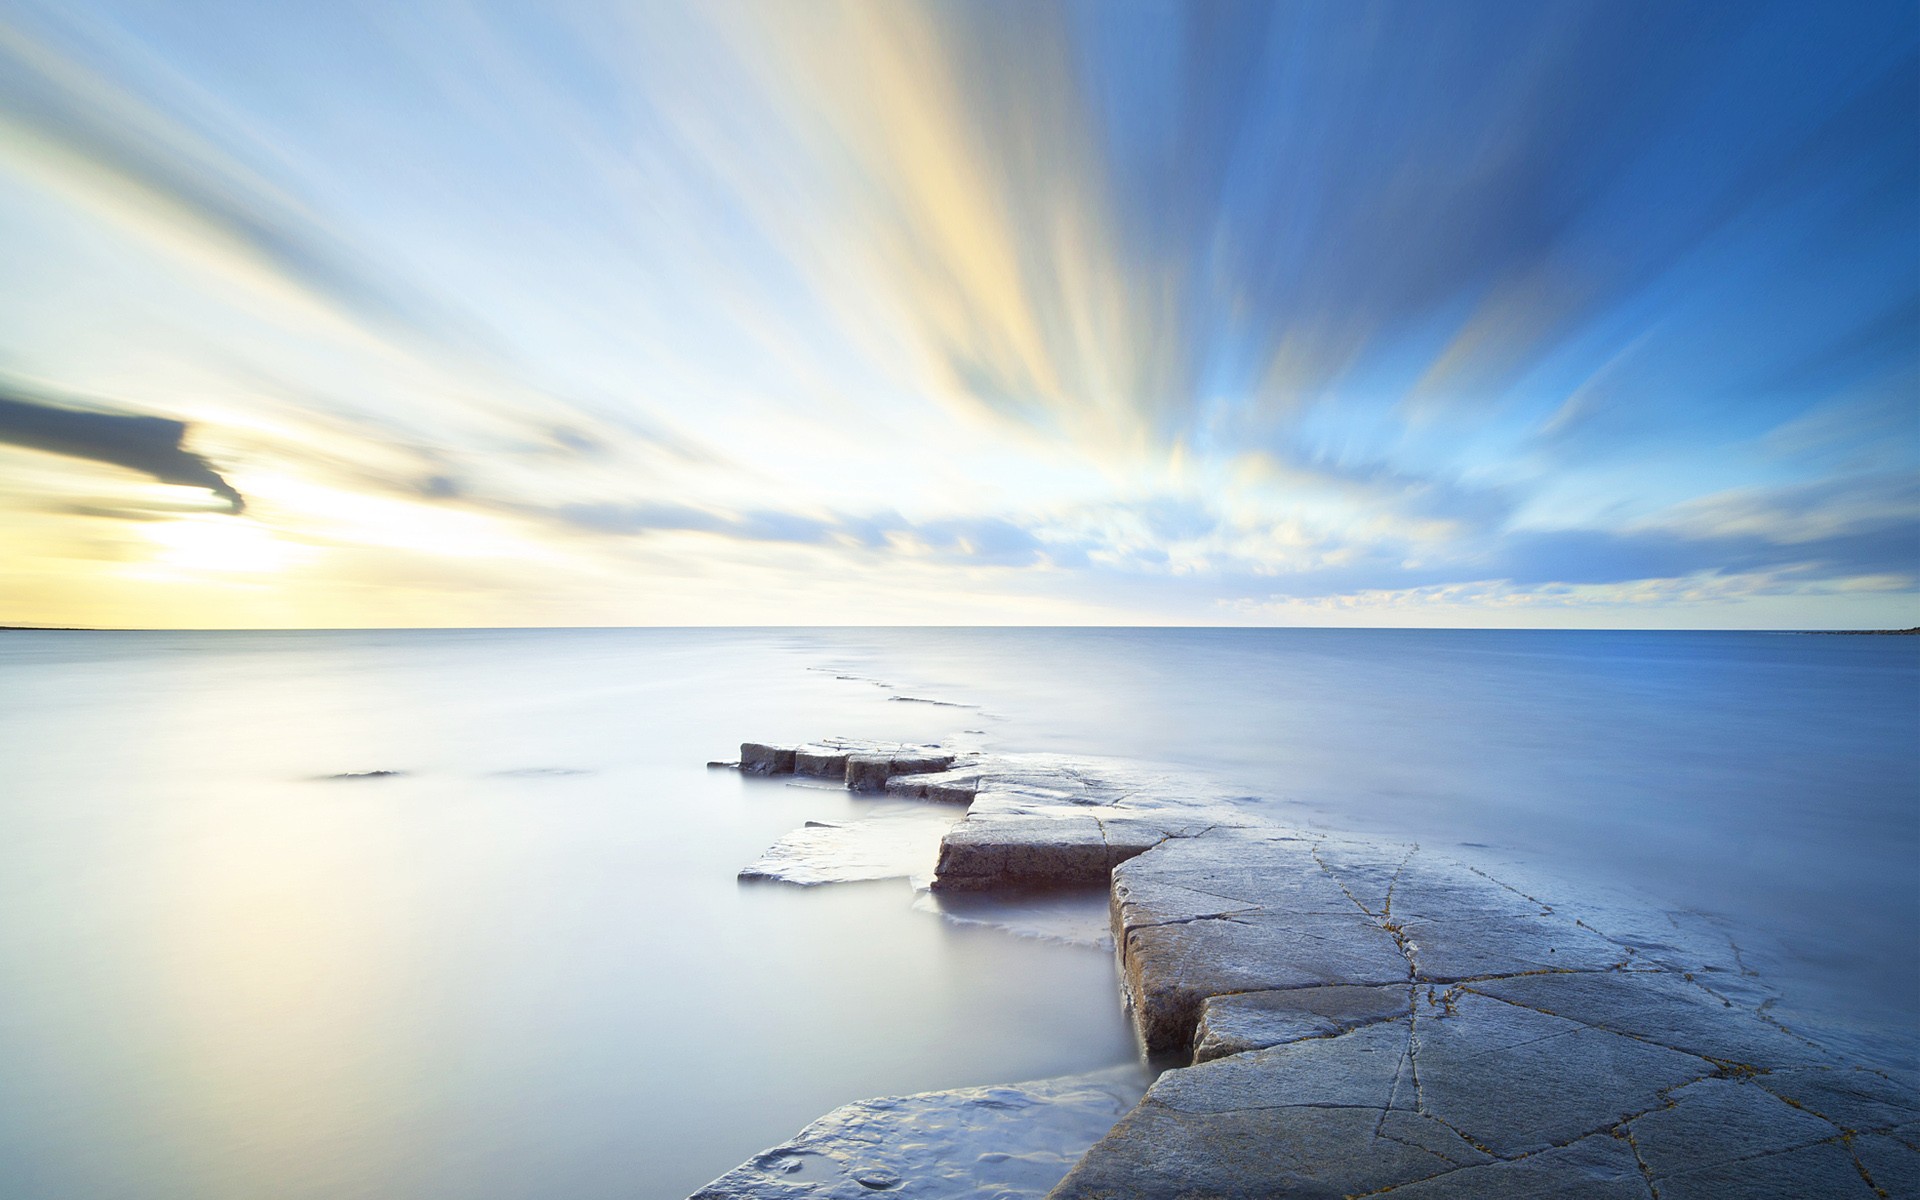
{"x": 220, "y": 544}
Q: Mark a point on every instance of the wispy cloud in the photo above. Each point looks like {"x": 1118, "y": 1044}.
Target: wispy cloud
{"x": 1130, "y": 308}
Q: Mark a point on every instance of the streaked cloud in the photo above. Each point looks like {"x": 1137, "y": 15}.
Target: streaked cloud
{"x": 1089, "y": 311}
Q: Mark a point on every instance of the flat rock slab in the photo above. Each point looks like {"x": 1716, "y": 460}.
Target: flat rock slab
{"x": 1242, "y": 1021}
{"x": 870, "y": 772}
{"x": 1009, "y": 1143}
{"x": 759, "y": 758}
{"x": 1368, "y": 1019}
{"x": 957, "y": 785}
{"x": 898, "y": 843}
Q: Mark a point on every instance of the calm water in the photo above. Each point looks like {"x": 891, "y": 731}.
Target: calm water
{"x": 524, "y": 968}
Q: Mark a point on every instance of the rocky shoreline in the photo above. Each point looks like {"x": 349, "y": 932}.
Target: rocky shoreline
{"x": 1337, "y": 1018}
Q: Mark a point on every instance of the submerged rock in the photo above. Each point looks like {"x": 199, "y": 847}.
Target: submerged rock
{"x": 1010, "y": 1143}
{"x": 892, "y": 844}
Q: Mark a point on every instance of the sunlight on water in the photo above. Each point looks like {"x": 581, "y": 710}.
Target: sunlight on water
{"x": 521, "y": 967}
{"x": 239, "y": 962}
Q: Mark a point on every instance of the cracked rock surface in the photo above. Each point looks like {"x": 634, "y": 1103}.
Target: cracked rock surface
{"x": 1502, "y": 1048}
{"x": 1351, "y": 1018}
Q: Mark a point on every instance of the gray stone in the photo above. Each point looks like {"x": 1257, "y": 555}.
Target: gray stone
{"x": 757, "y": 758}
{"x": 1171, "y": 969}
{"x": 870, "y": 772}
{"x": 821, "y": 762}
{"x": 1516, "y": 1081}
{"x": 1014, "y": 1142}
{"x": 1365, "y": 1068}
{"x": 1459, "y": 925}
{"x": 887, "y": 845}
{"x": 1856, "y": 1100}
{"x": 1367, "y": 1019}
{"x": 1294, "y": 1152}
{"x": 1022, "y": 852}
{"x": 955, "y": 786}
{"x": 1598, "y": 1167}
{"x": 1658, "y": 1007}
{"x": 1825, "y": 1171}
{"x": 1256, "y": 1020}
{"x": 1892, "y": 1165}
{"x": 1720, "y": 1121}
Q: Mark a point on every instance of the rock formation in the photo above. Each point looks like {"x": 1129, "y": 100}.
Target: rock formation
{"x": 1344, "y": 1018}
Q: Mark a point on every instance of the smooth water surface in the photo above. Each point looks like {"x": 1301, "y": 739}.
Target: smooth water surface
{"x": 1766, "y": 783}
{"x": 524, "y": 967}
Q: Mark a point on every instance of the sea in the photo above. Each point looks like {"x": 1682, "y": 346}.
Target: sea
{"x": 454, "y": 913}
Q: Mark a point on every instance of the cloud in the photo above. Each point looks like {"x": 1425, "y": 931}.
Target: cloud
{"x": 150, "y": 445}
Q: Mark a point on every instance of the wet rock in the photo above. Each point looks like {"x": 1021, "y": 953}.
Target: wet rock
{"x": 1518, "y": 1081}
{"x": 1597, "y": 1167}
{"x": 1657, "y": 1006}
{"x": 1304, "y": 1151}
{"x": 1013, "y": 1142}
{"x": 757, "y": 758}
{"x": 870, "y": 772}
{"x": 1854, "y": 1099}
{"x": 1373, "y": 1019}
{"x": 1255, "y": 1020}
{"x": 1022, "y": 852}
{"x": 956, "y": 786}
{"x": 887, "y": 845}
{"x": 1224, "y": 913}
{"x": 1719, "y": 1121}
{"x": 1891, "y": 1164}
{"x": 821, "y": 762}
{"x": 1827, "y": 1171}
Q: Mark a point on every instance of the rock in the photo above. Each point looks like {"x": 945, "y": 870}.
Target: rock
{"x": 1517, "y": 1081}
{"x": 1172, "y": 969}
{"x": 1366, "y": 1019}
{"x": 1022, "y": 852}
{"x": 759, "y": 759}
{"x": 823, "y": 762}
{"x": 887, "y": 845}
{"x": 1827, "y": 1171}
{"x": 1207, "y": 916}
{"x": 1657, "y": 1006}
{"x": 1597, "y": 1167}
{"x": 1013, "y": 1142}
{"x": 1255, "y": 1020}
{"x": 870, "y": 772}
{"x": 956, "y": 786}
{"x": 1854, "y": 1099}
{"x": 1892, "y": 1165}
{"x": 1719, "y": 1121}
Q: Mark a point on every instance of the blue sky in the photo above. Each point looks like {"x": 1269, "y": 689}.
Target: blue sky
{"x": 1468, "y": 314}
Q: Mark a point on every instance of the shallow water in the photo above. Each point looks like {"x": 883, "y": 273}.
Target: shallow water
{"x": 524, "y": 967}
{"x": 228, "y": 976}
{"x": 1763, "y": 787}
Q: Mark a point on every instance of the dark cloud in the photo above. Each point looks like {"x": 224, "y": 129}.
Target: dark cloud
{"x": 150, "y": 445}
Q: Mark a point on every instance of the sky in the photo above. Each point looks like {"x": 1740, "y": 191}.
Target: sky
{"x": 801, "y": 312}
